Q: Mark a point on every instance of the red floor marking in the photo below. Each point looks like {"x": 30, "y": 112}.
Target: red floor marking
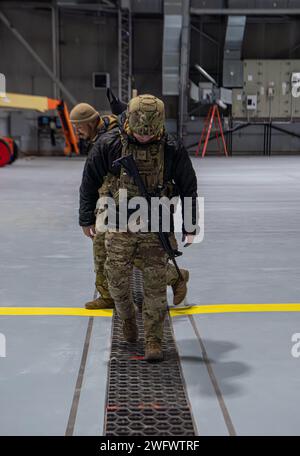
{"x": 111, "y": 408}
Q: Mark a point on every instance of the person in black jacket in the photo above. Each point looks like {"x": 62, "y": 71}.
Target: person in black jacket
{"x": 178, "y": 167}
{"x": 162, "y": 161}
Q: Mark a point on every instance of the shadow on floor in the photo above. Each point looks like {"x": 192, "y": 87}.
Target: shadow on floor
{"x": 225, "y": 372}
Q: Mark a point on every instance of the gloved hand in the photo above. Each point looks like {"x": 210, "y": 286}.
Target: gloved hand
{"x": 189, "y": 239}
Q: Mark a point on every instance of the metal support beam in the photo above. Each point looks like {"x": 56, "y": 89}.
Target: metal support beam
{"x": 32, "y": 52}
{"x": 125, "y": 50}
{"x": 103, "y": 7}
{"x": 232, "y": 56}
{"x": 205, "y": 35}
{"x": 22, "y": 4}
{"x": 55, "y": 48}
{"x": 109, "y": 3}
{"x": 245, "y": 11}
{"x": 171, "y": 47}
{"x": 184, "y": 67}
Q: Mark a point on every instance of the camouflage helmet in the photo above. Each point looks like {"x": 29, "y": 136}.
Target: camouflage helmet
{"x": 83, "y": 113}
{"x": 146, "y": 115}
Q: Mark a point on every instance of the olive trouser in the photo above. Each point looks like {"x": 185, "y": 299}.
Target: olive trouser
{"x": 100, "y": 257}
{"x": 122, "y": 249}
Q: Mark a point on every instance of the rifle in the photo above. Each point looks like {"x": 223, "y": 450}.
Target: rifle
{"x": 116, "y": 106}
{"x": 130, "y": 166}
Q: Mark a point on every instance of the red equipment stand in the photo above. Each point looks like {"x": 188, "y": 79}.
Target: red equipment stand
{"x": 213, "y": 116}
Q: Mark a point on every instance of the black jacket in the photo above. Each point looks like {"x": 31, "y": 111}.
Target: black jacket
{"x": 177, "y": 168}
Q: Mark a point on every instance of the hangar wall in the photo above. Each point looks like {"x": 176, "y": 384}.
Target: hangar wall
{"x": 89, "y": 41}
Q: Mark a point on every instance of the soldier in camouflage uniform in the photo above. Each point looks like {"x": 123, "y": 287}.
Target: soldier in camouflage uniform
{"x": 90, "y": 126}
{"x": 160, "y": 161}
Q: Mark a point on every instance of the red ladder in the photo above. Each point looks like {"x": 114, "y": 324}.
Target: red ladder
{"x": 213, "y": 116}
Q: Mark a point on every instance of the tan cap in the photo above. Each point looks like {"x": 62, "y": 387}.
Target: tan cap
{"x": 83, "y": 113}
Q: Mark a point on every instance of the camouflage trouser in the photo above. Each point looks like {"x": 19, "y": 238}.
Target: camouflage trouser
{"x": 121, "y": 250}
{"x": 100, "y": 257}
{"x": 99, "y": 260}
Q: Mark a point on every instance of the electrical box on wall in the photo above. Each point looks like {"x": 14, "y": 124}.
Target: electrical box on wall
{"x": 267, "y": 91}
{"x": 251, "y": 102}
{"x": 295, "y": 81}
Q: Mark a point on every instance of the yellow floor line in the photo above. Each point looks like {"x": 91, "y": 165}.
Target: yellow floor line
{"x": 237, "y": 308}
{"x": 61, "y": 311}
{"x": 192, "y": 310}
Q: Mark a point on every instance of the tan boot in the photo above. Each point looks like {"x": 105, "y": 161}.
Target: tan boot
{"x": 153, "y": 351}
{"x": 100, "y": 303}
{"x": 180, "y": 287}
{"x": 130, "y": 330}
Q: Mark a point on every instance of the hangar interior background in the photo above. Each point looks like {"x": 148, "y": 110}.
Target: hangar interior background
{"x": 166, "y": 40}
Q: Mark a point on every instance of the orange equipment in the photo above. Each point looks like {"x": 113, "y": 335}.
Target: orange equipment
{"x": 213, "y": 116}
{"x": 70, "y": 137}
{"x": 42, "y": 104}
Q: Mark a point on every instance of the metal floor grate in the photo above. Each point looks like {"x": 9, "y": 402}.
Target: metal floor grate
{"x": 145, "y": 398}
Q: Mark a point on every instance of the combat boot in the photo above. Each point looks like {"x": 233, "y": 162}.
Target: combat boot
{"x": 153, "y": 351}
{"x": 180, "y": 287}
{"x": 100, "y": 303}
{"x": 130, "y": 330}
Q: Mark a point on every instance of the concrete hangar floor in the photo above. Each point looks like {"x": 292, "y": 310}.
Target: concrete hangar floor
{"x": 240, "y": 365}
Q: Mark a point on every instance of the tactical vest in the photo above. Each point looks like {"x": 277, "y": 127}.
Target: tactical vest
{"x": 110, "y": 185}
{"x": 150, "y": 162}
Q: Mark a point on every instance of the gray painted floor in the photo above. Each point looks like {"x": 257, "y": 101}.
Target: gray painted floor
{"x": 239, "y": 371}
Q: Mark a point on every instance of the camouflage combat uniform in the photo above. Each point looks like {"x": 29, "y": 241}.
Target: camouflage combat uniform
{"x": 160, "y": 162}
{"x": 109, "y": 188}
{"x": 121, "y": 249}
{"x": 146, "y": 116}
{"x": 87, "y": 114}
